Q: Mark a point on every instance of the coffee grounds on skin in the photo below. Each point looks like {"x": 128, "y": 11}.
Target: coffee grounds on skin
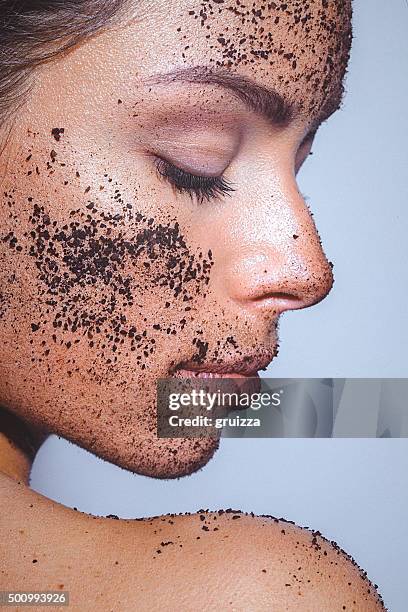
{"x": 319, "y": 35}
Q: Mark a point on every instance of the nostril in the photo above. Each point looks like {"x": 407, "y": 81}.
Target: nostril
{"x": 276, "y": 301}
{"x": 277, "y": 279}
{"x": 282, "y": 295}
{"x": 285, "y": 292}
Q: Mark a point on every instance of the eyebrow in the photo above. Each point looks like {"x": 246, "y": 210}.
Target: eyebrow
{"x": 266, "y": 102}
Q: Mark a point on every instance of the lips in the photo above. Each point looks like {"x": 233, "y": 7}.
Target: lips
{"x": 244, "y": 367}
{"x": 183, "y": 373}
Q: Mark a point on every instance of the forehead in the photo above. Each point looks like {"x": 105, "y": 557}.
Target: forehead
{"x": 298, "y": 47}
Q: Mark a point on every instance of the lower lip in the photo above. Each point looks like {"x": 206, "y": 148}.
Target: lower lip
{"x": 193, "y": 374}
{"x": 249, "y": 384}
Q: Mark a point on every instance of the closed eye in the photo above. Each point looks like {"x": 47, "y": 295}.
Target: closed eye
{"x": 200, "y": 186}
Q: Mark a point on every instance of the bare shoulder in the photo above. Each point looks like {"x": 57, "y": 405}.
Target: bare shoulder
{"x": 222, "y": 560}
{"x": 248, "y": 562}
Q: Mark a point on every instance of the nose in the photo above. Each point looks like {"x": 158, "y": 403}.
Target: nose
{"x": 273, "y": 258}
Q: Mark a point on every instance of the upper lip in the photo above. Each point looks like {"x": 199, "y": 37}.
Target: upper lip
{"x": 247, "y": 365}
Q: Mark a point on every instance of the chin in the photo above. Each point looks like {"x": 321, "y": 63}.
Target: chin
{"x": 161, "y": 458}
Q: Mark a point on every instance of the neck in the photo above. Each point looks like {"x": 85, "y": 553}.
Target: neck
{"x": 18, "y": 446}
{"x": 13, "y": 462}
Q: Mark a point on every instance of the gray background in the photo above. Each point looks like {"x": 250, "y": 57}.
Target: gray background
{"x": 353, "y": 491}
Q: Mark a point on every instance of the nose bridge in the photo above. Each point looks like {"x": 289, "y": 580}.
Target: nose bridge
{"x": 274, "y": 257}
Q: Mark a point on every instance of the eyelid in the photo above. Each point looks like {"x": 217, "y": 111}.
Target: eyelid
{"x": 190, "y": 168}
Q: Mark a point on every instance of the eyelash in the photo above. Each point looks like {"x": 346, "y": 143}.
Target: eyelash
{"x": 202, "y": 187}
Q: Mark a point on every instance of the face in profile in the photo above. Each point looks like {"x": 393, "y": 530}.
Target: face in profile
{"x": 151, "y": 221}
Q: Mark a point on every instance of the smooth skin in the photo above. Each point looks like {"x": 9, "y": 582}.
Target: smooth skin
{"x": 114, "y": 275}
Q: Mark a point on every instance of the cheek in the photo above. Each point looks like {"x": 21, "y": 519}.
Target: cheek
{"x": 98, "y": 281}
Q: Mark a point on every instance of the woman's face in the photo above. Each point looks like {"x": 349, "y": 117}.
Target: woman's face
{"x": 151, "y": 219}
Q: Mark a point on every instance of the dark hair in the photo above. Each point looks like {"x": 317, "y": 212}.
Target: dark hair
{"x": 33, "y": 32}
